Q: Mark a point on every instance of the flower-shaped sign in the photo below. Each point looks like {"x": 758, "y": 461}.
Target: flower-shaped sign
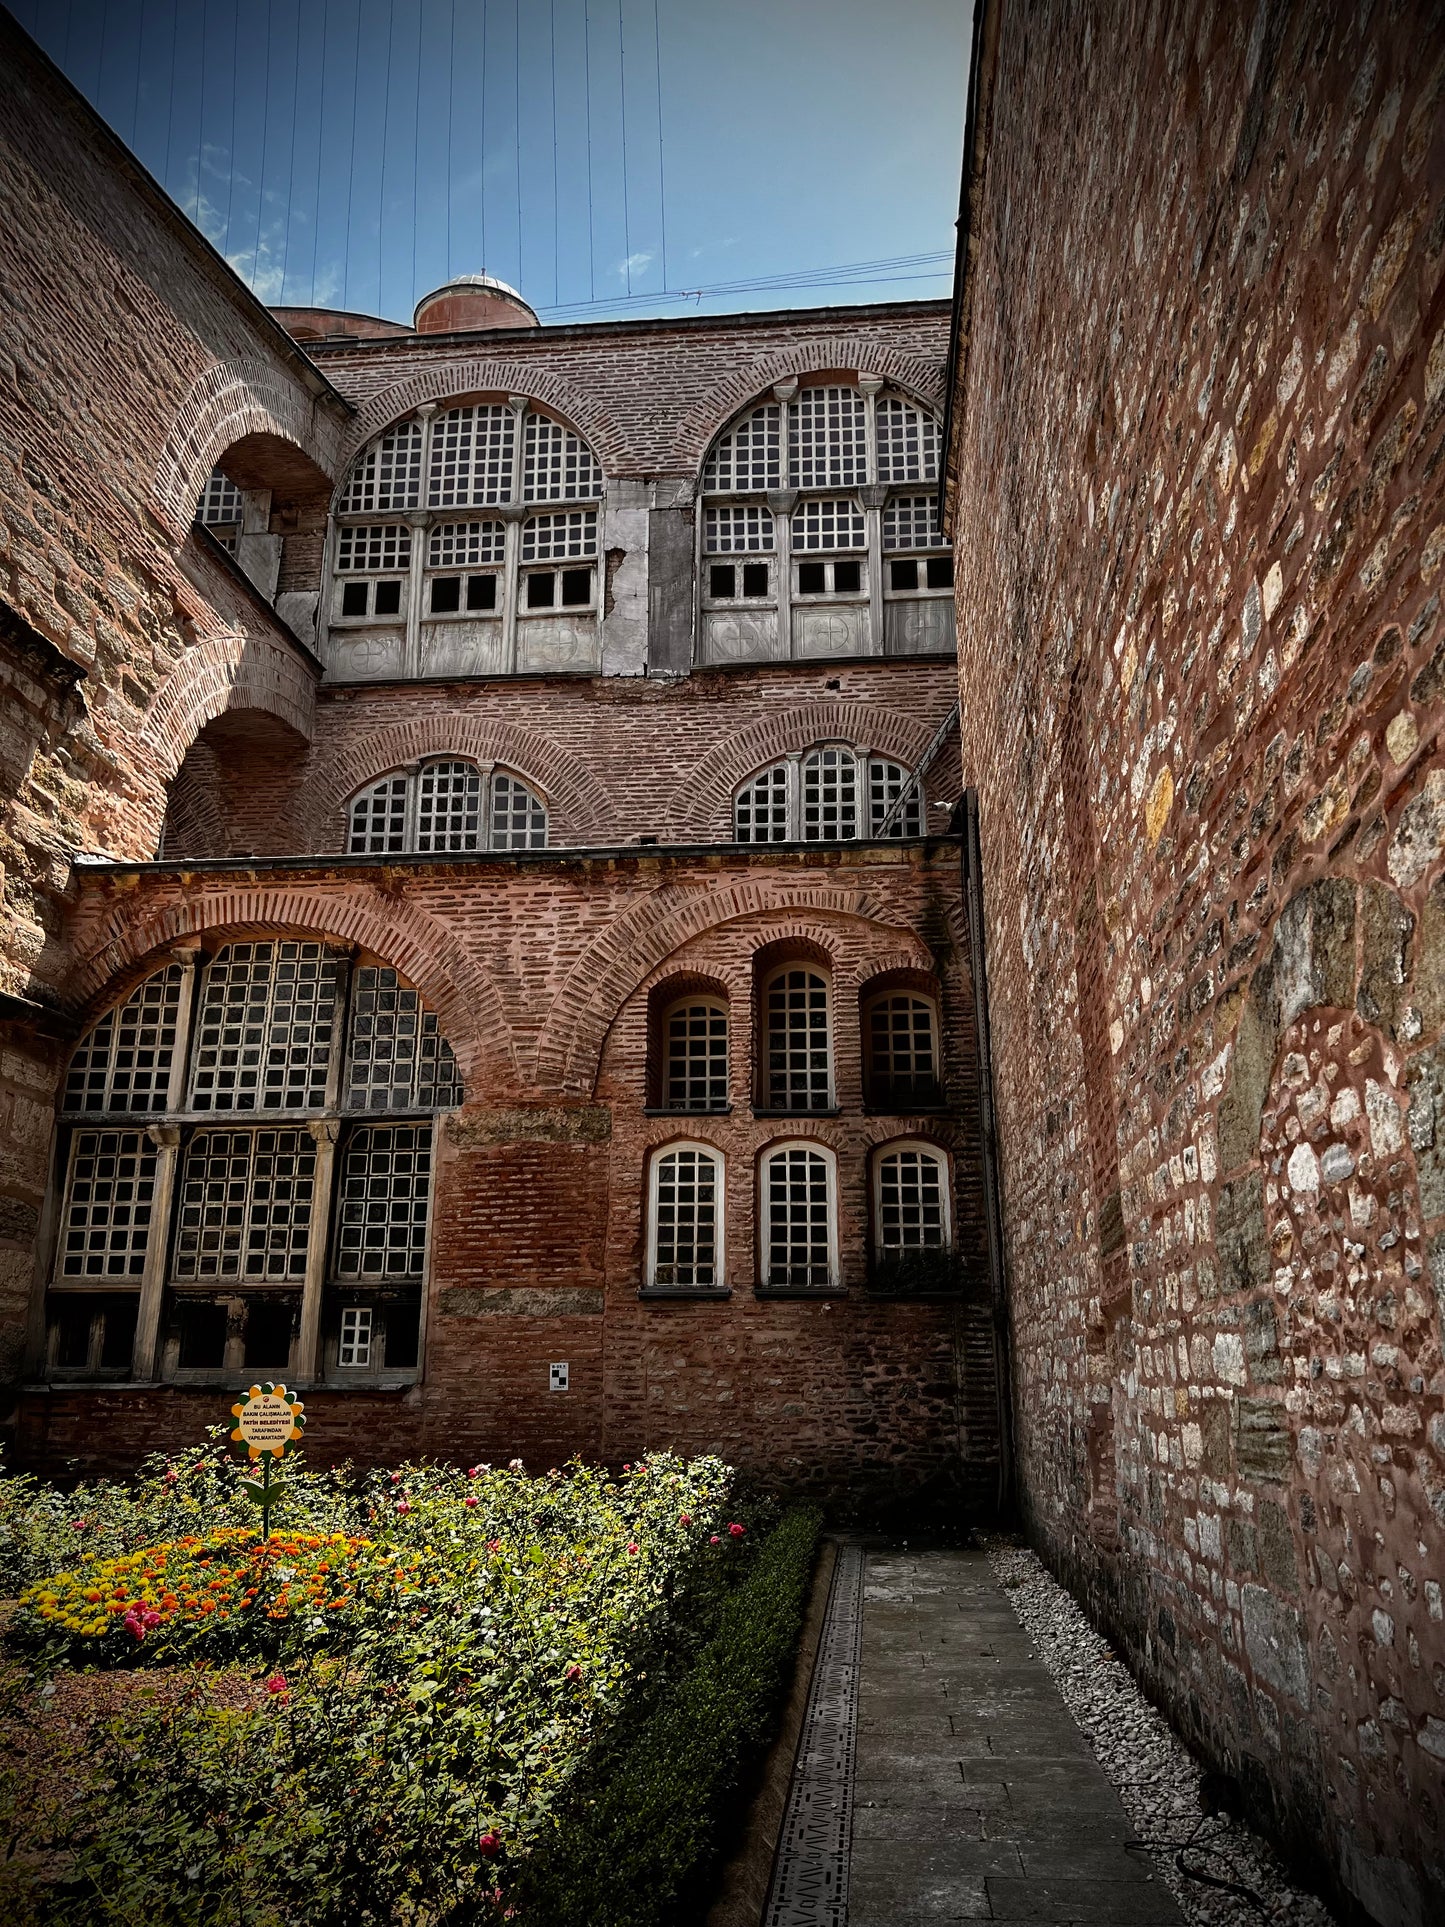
{"x": 269, "y": 1420}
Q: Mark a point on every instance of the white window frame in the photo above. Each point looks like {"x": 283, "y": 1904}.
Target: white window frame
{"x": 940, "y": 1156}
{"x": 765, "y": 1035}
{"x": 871, "y": 1001}
{"x": 792, "y": 769}
{"x": 716, "y": 1005}
{"x": 767, "y": 1157}
{"x": 489, "y": 773}
{"x": 702, "y": 1148}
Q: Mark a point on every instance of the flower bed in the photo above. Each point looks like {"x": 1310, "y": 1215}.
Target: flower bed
{"x": 433, "y": 1661}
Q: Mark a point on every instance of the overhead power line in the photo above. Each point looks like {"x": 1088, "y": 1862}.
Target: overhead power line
{"x": 897, "y": 268}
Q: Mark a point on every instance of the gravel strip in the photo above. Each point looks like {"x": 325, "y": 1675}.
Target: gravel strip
{"x": 1155, "y": 1775}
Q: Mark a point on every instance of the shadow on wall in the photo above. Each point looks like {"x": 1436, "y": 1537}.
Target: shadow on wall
{"x": 234, "y": 794}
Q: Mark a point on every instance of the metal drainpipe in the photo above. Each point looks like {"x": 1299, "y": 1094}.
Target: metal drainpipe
{"x": 992, "y": 1200}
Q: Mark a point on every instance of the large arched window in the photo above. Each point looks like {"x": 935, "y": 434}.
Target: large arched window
{"x": 796, "y": 1072}
{"x": 912, "y": 1218}
{"x": 445, "y": 804}
{"x": 245, "y": 1171}
{"x": 685, "y": 1219}
{"x": 466, "y": 542}
{"x": 817, "y": 535}
{"x": 798, "y": 1215}
{"x": 826, "y": 794}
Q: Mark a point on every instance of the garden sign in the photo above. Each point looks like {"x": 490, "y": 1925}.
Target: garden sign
{"x": 269, "y": 1424}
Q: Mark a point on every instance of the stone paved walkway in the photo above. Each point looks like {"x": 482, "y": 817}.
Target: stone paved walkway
{"x": 974, "y": 1794}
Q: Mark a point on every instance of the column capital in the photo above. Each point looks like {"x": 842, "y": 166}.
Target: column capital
{"x": 870, "y": 384}
{"x": 165, "y": 1137}
{"x": 325, "y": 1130}
{"x": 785, "y": 390}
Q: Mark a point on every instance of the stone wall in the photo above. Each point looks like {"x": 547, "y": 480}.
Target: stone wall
{"x": 1199, "y": 528}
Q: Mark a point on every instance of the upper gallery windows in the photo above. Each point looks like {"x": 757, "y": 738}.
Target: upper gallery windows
{"x": 838, "y": 551}
{"x": 831, "y": 793}
{"x": 465, "y": 542}
{"x": 445, "y": 804}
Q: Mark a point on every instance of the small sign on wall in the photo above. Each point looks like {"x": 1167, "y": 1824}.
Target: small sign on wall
{"x": 557, "y": 1377}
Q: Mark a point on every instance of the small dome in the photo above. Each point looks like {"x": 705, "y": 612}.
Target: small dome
{"x": 472, "y": 302}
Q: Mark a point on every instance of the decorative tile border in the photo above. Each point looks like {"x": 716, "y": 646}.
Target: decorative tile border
{"x": 810, "y": 1870}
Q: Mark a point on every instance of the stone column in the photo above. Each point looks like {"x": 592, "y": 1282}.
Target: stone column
{"x": 325, "y": 1130}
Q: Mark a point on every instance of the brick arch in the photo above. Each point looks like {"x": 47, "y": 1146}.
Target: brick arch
{"x": 467, "y": 1003}
{"x": 226, "y": 403}
{"x": 576, "y": 800}
{"x": 703, "y": 805}
{"x": 447, "y": 380}
{"x": 230, "y": 671}
{"x": 709, "y": 415}
{"x": 628, "y": 953}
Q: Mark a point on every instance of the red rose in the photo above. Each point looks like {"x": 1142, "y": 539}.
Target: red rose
{"x": 714, "y": 1540}
{"x": 469, "y": 1501}
{"x": 277, "y": 1685}
{"x": 490, "y": 1845}
{"x": 633, "y": 1546}
{"x": 684, "y": 1518}
{"x": 737, "y": 1531}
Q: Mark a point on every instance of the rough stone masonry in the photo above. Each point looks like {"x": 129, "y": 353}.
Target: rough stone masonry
{"x": 1196, "y": 494}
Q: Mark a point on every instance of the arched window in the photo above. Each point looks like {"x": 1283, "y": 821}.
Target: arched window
{"x": 473, "y": 593}
{"x": 857, "y": 566}
{"x": 220, "y": 510}
{"x": 912, "y": 1218}
{"x": 900, "y": 1051}
{"x": 799, "y": 1219}
{"x": 246, "y": 1177}
{"x": 824, "y": 795}
{"x": 445, "y": 804}
{"x": 694, "y": 1054}
{"x": 797, "y": 1068}
{"x": 685, "y": 1219}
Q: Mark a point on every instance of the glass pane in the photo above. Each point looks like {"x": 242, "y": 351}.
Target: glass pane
{"x": 109, "y": 1197}
{"x": 384, "y": 1174}
{"x": 245, "y": 1206}
{"x": 263, "y": 1031}
{"x": 124, "y": 1063}
{"x": 797, "y": 1042}
{"x": 798, "y": 1219}
{"x": 696, "y": 1076}
{"x": 397, "y": 1058}
{"x": 685, "y": 1245}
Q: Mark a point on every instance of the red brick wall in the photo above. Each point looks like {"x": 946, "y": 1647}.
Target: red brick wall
{"x": 1199, "y": 485}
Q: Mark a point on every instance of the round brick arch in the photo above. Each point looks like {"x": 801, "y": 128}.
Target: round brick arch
{"x": 468, "y": 1005}
{"x": 449, "y": 380}
{"x": 577, "y": 803}
{"x": 629, "y": 952}
{"x": 709, "y": 415}
{"x": 703, "y": 805}
{"x": 224, "y": 672}
{"x": 227, "y": 402}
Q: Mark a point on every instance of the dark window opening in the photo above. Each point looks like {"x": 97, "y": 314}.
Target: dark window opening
{"x": 755, "y": 578}
{"x": 481, "y": 592}
{"x": 576, "y": 587}
{"x": 724, "y": 580}
{"x": 541, "y": 591}
{"x": 72, "y": 1336}
{"x": 117, "y": 1343}
{"x": 446, "y": 594}
{"x": 940, "y": 572}
{"x": 354, "y": 598}
{"x": 847, "y": 577}
{"x": 268, "y": 1333}
{"x": 812, "y": 578}
{"x": 403, "y": 1323}
{"x": 388, "y": 598}
{"x": 904, "y": 574}
{"x": 203, "y": 1336}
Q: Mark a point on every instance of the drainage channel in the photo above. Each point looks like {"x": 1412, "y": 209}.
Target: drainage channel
{"x": 810, "y": 1870}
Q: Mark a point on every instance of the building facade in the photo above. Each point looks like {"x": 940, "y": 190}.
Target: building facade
{"x": 487, "y": 941}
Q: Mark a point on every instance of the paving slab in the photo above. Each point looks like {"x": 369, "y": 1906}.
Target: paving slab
{"x": 941, "y": 1778}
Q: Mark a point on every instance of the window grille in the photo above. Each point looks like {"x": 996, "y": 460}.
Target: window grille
{"x": 519, "y": 819}
{"x": 466, "y": 545}
{"x": 263, "y": 1031}
{"x": 797, "y": 1187}
{"x": 381, "y": 1214}
{"x": 799, "y": 1069}
{"x": 220, "y": 509}
{"x": 907, "y": 442}
{"x": 397, "y": 1059}
{"x": 471, "y": 456}
{"x": 382, "y": 549}
{"x": 245, "y": 1206}
{"x": 124, "y": 1063}
{"x": 912, "y": 1201}
{"x": 911, "y": 522}
{"x": 830, "y": 794}
{"x": 558, "y": 466}
{"x": 449, "y": 807}
{"x": 738, "y": 529}
{"x": 760, "y": 813}
{"x": 685, "y": 1221}
{"x": 827, "y": 439}
{"x": 885, "y": 785}
{"x": 388, "y": 475}
{"x": 378, "y": 819}
{"x": 696, "y": 1068}
{"x": 748, "y": 456}
{"x": 827, "y": 523}
{"x": 355, "y": 1347}
{"x": 902, "y": 1056}
{"x": 106, "y": 1223}
{"x": 552, "y": 538}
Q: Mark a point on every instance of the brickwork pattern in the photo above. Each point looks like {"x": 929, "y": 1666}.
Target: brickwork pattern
{"x": 1200, "y": 488}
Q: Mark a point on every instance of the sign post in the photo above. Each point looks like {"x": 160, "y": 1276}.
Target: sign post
{"x": 269, "y": 1425}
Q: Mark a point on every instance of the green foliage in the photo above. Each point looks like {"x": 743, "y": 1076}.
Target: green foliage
{"x": 409, "y": 1753}
{"x": 635, "y": 1842}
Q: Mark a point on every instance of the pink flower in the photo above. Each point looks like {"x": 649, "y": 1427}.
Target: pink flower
{"x": 490, "y": 1845}
{"x": 474, "y": 1472}
{"x": 514, "y": 1465}
{"x": 171, "y": 1475}
{"x": 494, "y": 1545}
{"x": 737, "y": 1531}
{"x": 277, "y": 1686}
{"x": 403, "y": 1505}
{"x": 396, "y": 1478}
{"x": 684, "y": 1518}
{"x": 714, "y": 1540}
{"x": 627, "y": 1468}
{"x": 79, "y": 1524}
{"x": 469, "y": 1500}
{"x": 574, "y": 1672}
{"x": 633, "y": 1546}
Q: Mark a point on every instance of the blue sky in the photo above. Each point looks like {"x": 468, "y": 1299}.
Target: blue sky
{"x": 601, "y": 155}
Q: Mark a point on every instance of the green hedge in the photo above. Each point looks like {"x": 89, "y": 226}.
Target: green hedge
{"x": 646, "y": 1833}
